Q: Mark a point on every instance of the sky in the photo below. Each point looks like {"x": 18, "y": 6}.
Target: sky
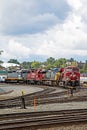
{"x": 38, "y": 29}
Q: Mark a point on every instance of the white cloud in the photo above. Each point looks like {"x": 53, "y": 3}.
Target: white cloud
{"x": 66, "y": 39}
{"x": 75, "y": 4}
{"x": 20, "y": 16}
{"x": 17, "y": 48}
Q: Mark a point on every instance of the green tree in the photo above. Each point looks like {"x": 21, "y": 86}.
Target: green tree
{"x": 60, "y": 62}
{"x": 13, "y": 61}
{"x": 49, "y": 66}
{"x": 85, "y": 66}
{"x": 26, "y": 65}
{"x": 35, "y": 64}
{"x": 50, "y": 63}
{"x": 71, "y": 59}
{"x": 50, "y": 60}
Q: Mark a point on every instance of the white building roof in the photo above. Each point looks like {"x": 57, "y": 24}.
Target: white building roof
{"x": 6, "y": 65}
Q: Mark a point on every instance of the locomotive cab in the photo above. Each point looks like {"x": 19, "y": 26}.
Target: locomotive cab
{"x": 71, "y": 76}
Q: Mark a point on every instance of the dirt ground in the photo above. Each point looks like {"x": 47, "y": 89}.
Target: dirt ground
{"x": 67, "y": 127}
{"x": 80, "y": 126}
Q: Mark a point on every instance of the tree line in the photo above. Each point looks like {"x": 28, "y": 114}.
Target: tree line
{"x": 51, "y": 63}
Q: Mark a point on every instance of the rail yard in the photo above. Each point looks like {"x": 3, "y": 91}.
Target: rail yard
{"x": 37, "y": 99}
{"x": 43, "y": 65}
{"x": 45, "y": 107}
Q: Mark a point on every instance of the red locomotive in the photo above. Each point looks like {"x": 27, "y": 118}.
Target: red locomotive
{"x": 35, "y": 76}
{"x": 69, "y": 76}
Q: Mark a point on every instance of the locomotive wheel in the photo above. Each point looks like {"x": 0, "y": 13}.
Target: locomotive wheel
{"x": 60, "y": 83}
{"x": 18, "y": 81}
{"x": 27, "y": 82}
{"x": 57, "y": 83}
{"x": 73, "y": 84}
{"x": 37, "y": 82}
{"x": 77, "y": 83}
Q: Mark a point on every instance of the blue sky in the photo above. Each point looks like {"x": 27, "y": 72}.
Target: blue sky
{"x": 39, "y": 29}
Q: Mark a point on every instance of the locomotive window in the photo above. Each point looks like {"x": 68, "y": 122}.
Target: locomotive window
{"x": 76, "y": 69}
{"x": 68, "y": 69}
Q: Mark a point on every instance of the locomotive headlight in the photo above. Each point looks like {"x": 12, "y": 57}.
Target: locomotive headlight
{"x": 74, "y": 75}
{"x": 71, "y": 75}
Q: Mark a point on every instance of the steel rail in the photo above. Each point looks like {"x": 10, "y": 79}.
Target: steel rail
{"x": 39, "y": 100}
{"x": 58, "y": 117}
{"x": 41, "y": 95}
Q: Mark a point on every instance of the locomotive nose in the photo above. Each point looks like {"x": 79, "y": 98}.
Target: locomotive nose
{"x": 73, "y": 76}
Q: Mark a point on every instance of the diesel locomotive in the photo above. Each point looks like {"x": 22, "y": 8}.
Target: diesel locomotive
{"x": 64, "y": 77}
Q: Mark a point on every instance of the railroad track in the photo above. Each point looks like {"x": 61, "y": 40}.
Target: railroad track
{"x": 47, "y": 96}
{"x": 35, "y": 119}
{"x": 29, "y": 98}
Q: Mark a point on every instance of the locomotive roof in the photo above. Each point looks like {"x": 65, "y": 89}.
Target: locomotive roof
{"x": 72, "y": 66}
